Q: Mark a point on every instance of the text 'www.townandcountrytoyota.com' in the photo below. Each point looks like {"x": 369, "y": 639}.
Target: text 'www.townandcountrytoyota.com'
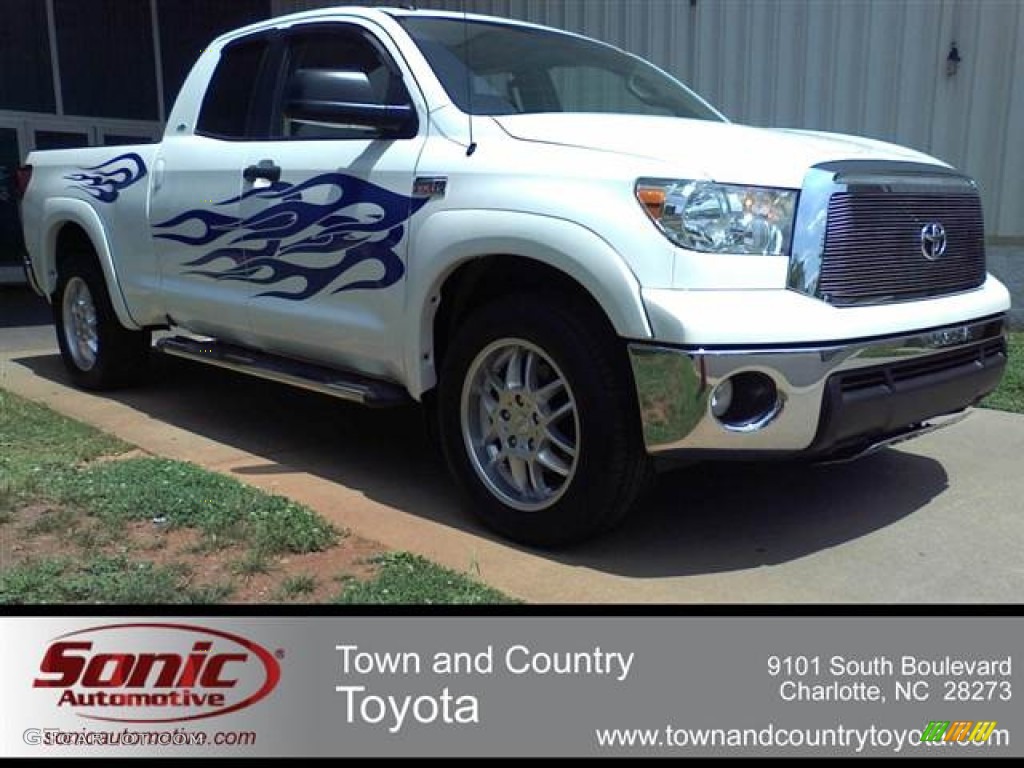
{"x": 774, "y": 737}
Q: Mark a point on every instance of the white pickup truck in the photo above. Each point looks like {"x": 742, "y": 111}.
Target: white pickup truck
{"x": 574, "y": 261}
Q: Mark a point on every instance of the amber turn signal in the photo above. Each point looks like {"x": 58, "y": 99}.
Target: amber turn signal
{"x": 653, "y": 200}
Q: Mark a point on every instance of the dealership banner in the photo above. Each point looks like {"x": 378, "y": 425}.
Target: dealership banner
{"x": 510, "y": 685}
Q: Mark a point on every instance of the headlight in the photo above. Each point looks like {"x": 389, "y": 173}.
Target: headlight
{"x": 721, "y": 218}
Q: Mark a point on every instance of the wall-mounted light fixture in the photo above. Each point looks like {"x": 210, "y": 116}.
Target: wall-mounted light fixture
{"x": 952, "y": 60}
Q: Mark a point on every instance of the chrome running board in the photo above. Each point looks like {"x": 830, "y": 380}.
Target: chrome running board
{"x": 328, "y": 381}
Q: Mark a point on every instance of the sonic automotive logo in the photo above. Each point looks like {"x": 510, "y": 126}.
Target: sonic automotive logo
{"x": 156, "y": 673}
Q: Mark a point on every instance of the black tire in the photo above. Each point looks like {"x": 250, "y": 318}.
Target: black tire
{"x": 609, "y": 466}
{"x": 114, "y": 356}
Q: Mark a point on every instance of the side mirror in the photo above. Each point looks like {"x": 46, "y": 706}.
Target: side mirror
{"x": 344, "y": 97}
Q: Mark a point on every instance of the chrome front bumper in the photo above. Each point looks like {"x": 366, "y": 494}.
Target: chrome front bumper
{"x": 832, "y": 399}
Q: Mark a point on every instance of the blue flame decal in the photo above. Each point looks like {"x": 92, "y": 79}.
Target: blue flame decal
{"x": 105, "y": 181}
{"x": 268, "y": 247}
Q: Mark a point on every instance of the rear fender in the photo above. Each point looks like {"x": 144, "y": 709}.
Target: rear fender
{"x": 60, "y": 212}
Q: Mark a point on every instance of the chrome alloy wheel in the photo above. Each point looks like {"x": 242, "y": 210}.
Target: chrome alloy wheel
{"x": 520, "y": 424}
{"x": 80, "y": 325}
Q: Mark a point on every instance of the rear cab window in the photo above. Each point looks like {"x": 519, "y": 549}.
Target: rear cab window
{"x": 229, "y": 106}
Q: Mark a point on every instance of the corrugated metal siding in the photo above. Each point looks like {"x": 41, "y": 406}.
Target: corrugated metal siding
{"x": 868, "y": 67}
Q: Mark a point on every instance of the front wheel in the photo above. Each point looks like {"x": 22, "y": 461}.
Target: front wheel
{"x": 539, "y": 421}
{"x": 98, "y": 352}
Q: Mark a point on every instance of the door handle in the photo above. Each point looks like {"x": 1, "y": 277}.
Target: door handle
{"x": 265, "y": 170}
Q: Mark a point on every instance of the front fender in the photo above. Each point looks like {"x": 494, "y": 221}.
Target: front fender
{"x": 58, "y": 212}
{"x": 448, "y": 239}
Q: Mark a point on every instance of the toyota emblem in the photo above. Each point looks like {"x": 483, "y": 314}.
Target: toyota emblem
{"x": 933, "y": 241}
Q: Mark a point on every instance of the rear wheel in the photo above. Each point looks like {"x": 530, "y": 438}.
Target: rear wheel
{"x": 98, "y": 352}
{"x": 539, "y": 420}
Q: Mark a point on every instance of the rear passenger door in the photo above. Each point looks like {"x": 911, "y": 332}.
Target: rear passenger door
{"x": 327, "y": 223}
{"x": 194, "y": 208}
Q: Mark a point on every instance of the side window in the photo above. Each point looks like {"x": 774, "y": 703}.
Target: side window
{"x": 229, "y": 96}
{"x": 336, "y": 49}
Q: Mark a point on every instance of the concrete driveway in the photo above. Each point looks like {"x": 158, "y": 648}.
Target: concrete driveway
{"x": 936, "y": 520}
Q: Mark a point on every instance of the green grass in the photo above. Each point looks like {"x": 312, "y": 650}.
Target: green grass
{"x": 38, "y": 445}
{"x": 224, "y": 510}
{"x": 253, "y": 563}
{"x": 8, "y": 498}
{"x": 406, "y": 579}
{"x": 1010, "y": 395}
{"x": 102, "y": 579}
{"x": 45, "y": 456}
{"x": 47, "y": 459}
{"x": 57, "y": 521}
{"x": 294, "y": 587}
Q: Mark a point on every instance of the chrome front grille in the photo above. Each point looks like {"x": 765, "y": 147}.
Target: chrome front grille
{"x": 873, "y": 250}
{"x": 878, "y": 232}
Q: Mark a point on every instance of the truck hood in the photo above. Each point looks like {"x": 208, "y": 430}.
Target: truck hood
{"x": 724, "y": 152}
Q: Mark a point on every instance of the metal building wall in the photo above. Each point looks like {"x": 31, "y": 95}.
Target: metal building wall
{"x": 868, "y": 67}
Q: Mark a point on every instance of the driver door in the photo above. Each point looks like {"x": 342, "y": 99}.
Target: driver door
{"x": 326, "y": 222}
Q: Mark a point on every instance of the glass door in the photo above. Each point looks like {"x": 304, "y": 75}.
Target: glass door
{"x": 53, "y": 138}
{"x": 10, "y": 223}
{"x": 113, "y": 137}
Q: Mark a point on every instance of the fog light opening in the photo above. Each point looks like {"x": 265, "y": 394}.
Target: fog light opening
{"x": 746, "y": 402}
{"x": 721, "y": 399}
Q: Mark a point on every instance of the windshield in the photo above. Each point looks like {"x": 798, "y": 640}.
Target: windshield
{"x": 523, "y": 70}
